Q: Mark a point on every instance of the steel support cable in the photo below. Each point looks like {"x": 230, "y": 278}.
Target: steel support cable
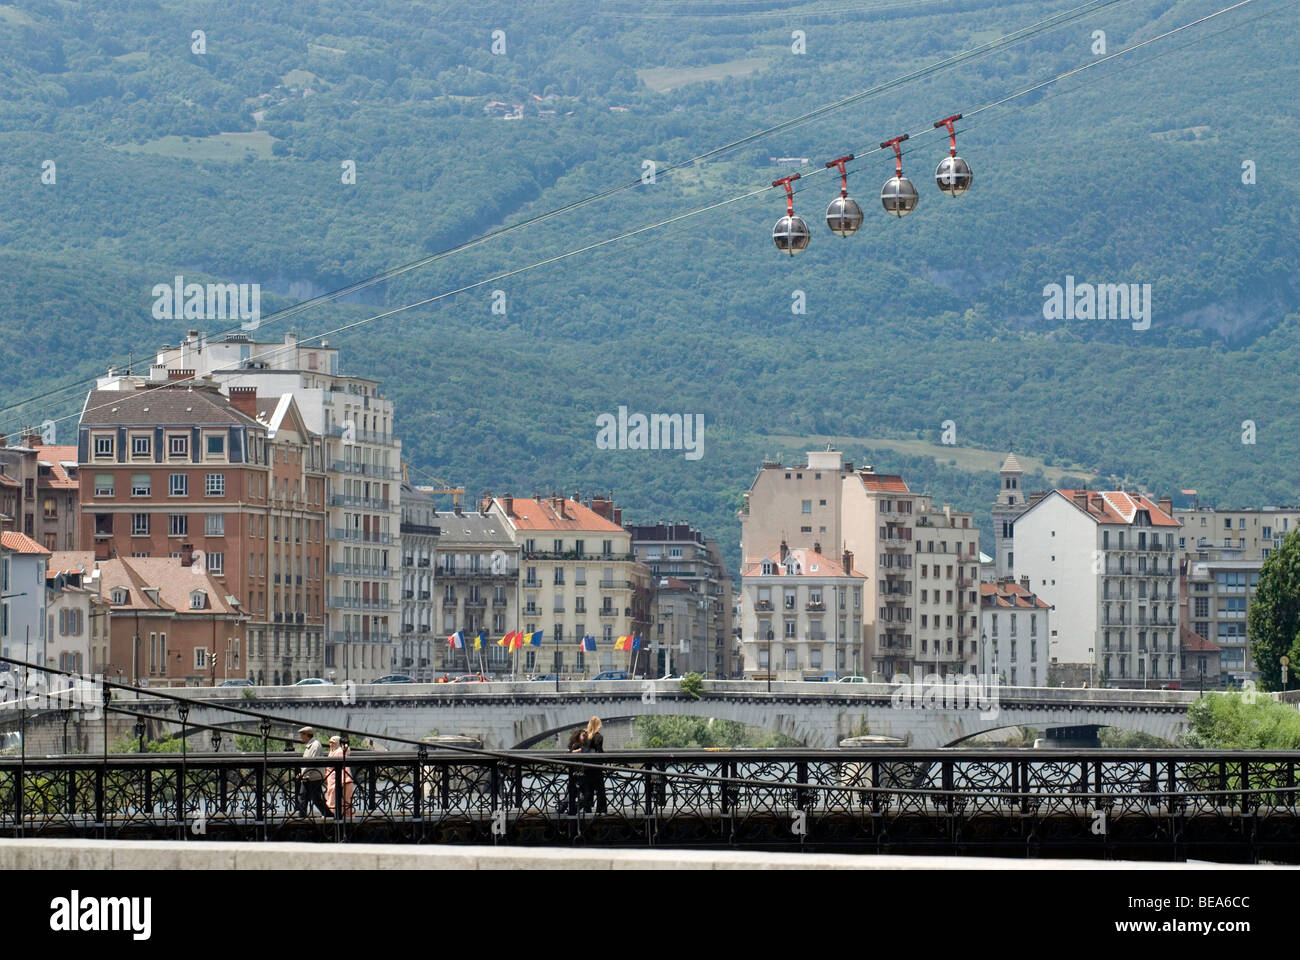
{"x": 532, "y": 760}
{"x": 991, "y": 46}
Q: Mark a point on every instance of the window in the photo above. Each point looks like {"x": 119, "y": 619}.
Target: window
{"x": 200, "y": 658}
{"x": 178, "y": 485}
{"x": 104, "y": 446}
{"x": 178, "y": 525}
{"x": 139, "y": 524}
{"x": 120, "y": 596}
{"x": 140, "y": 485}
{"x": 216, "y": 563}
{"x": 178, "y": 445}
{"x": 806, "y": 506}
{"x": 215, "y": 444}
{"x": 141, "y": 445}
{"x": 214, "y": 485}
{"x": 198, "y": 600}
{"x": 103, "y": 484}
{"x": 215, "y": 525}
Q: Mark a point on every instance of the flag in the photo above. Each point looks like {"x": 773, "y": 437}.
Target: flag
{"x": 481, "y": 640}
{"x": 456, "y": 641}
{"x": 636, "y": 643}
{"x": 505, "y": 641}
{"x": 533, "y": 639}
{"x": 587, "y": 643}
{"x": 516, "y": 640}
{"x": 623, "y": 643}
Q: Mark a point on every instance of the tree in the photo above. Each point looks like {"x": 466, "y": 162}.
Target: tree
{"x": 1274, "y": 616}
{"x": 1232, "y": 721}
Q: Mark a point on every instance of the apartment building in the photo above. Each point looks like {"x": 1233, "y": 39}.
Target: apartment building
{"x": 417, "y": 646}
{"x": 293, "y": 557}
{"x": 924, "y": 614}
{"x": 1223, "y": 552}
{"x": 799, "y": 505}
{"x": 171, "y": 467}
{"x": 362, "y": 460}
{"x": 1015, "y": 633}
{"x": 801, "y": 615}
{"x": 693, "y": 599}
{"x": 578, "y": 576}
{"x": 1105, "y": 561}
{"x": 38, "y": 491}
{"x": 23, "y": 563}
{"x": 172, "y": 623}
{"x": 475, "y": 587}
{"x": 76, "y": 617}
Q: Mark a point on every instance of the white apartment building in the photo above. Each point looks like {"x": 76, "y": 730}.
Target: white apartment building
{"x": 363, "y": 472}
{"x": 801, "y": 615}
{"x": 22, "y": 611}
{"x": 1015, "y": 633}
{"x": 1106, "y": 562}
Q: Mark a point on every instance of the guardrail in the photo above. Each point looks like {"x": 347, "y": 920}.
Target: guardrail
{"x": 1227, "y": 806}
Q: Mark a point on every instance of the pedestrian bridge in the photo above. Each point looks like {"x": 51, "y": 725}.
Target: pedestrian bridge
{"x": 509, "y": 715}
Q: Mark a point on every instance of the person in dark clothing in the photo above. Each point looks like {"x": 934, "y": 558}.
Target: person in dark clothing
{"x": 576, "y": 777}
{"x": 594, "y": 777}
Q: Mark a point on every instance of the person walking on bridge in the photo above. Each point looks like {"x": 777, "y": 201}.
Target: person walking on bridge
{"x": 594, "y": 776}
{"x": 311, "y": 778}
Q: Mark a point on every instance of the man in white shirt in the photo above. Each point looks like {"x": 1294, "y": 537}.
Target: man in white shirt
{"x": 311, "y": 778}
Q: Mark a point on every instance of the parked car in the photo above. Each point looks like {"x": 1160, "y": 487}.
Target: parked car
{"x": 235, "y": 683}
{"x": 470, "y": 678}
{"x": 853, "y": 680}
{"x": 611, "y": 675}
{"x": 311, "y": 681}
{"x": 394, "y": 678}
{"x": 544, "y": 676}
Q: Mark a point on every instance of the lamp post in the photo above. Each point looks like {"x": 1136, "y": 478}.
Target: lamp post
{"x": 769, "y": 661}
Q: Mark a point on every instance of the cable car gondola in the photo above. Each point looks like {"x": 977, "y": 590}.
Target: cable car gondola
{"x": 843, "y": 216}
{"x": 898, "y": 196}
{"x": 791, "y": 233}
{"x": 953, "y": 175}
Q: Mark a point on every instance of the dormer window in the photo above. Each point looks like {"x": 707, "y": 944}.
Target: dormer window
{"x": 120, "y": 597}
{"x": 767, "y": 568}
{"x": 178, "y": 445}
{"x": 214, "y": 446}
{"x": 198, "y": 600}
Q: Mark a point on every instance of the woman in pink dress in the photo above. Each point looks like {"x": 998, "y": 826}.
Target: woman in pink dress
{"x": 338, "y": 750}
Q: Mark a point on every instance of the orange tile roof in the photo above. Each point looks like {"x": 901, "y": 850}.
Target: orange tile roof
{"x": 54, "y": 457}
{"x": 1119, "y": 506}
{"x": 1009, "y": 595}
{"x": 884, "y": 482}
{"x": 174, "y": 583}
{"x": 70, "y": 561}
{"x": 530, "y": 514}
{"x": 1193, "y": 642}
{"x": 806, "y": 558}
{"x": 21, "y": 543}
{"x": 8, "y": 481}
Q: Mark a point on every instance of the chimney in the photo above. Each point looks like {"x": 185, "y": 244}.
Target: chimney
{"x": 848, "y": 561}
{"x": 31, "y": 439}
{"x": 180, "y": 373}
{"x": 1024, "y": 582}
{"x": 1166, "y": 505}
{"x": 785, "y": 551}
{"x": 817, "y": 547}
{"x": 187, "y": 554}
{"x": 508, "y": 505}
{"x": 244, "y": 399}
{"x": 485, "y": 502}
{"x": 1081, "y": 499}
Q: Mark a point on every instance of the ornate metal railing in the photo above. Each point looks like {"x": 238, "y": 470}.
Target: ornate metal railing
{"x": 1163, "y": 805}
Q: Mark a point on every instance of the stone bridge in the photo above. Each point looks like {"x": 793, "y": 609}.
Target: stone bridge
{"x": 521, "y": 714}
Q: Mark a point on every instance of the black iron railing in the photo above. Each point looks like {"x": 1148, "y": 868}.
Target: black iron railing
{"x": 1148, "y": 805}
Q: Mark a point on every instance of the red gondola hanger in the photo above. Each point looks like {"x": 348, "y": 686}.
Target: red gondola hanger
{"x": 898, "y": 196}
{"x": 843, "y": 216}
{"x": 791, "y": 233}
{"x": 953, "y": 175}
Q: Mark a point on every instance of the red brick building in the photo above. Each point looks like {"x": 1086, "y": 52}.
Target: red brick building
{"x": 172, "y": 465}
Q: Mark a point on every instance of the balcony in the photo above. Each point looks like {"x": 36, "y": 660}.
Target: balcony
{"x": 616, "y": 584}
{"x": 363, "y": 469}
{"x": 764, "y": 605}
{"x": 815, "y": 606}
{"x": 357, "y": 603}
{"x": 964, "y": 582}
{"x": 499, "y": 601}
{"x": 476, "y": 603}
{"x": 360, "y": 570}
{"x": 362, "y": 503}
{"x": 358, "y": 435}
{"x": 607, "y": 612}
{"x": 339, "y": 533}
{"x": 895, "y": 543}
{"x": 343, "y": 636}
{"x": 408, "y": 594}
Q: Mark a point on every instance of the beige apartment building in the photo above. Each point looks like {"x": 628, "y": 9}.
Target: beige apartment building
{"x": 922, "y": 562}
{"x": 1222, "y": 553}
{"x": 578, "y": 576}
{"x": 801, "y": 615}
